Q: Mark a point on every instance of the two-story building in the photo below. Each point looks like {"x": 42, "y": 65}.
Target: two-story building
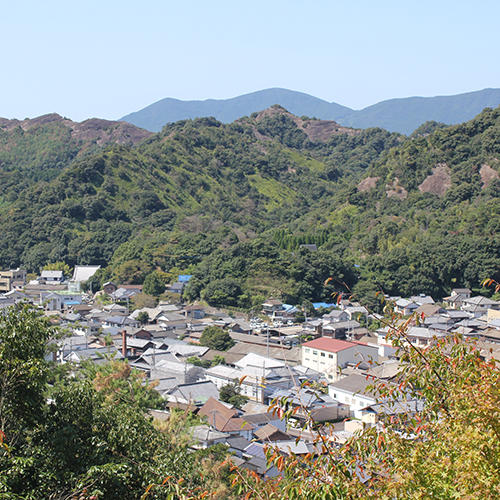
{"x": 328, "y": 355}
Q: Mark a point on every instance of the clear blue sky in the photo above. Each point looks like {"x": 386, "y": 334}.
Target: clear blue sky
{"x": 108, "y": 58}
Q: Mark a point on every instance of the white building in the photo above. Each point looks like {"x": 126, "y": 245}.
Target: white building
{"x": 328, "y": 356}
{"x": 354, "y": 391}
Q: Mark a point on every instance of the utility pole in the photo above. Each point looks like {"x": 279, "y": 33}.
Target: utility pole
{"x": 267, "y": 343}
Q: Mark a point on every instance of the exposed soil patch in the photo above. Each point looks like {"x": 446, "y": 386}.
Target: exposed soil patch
{"x": 395, "y": 190}
{"x": 438, "y": 182}
{"x": 316, "y": 130}
{"x": 368, "y": 184}
{"x": 487, "y": 174}
{"x": 101, "y": 131}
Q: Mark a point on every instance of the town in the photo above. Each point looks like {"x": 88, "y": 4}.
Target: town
{"x": 230, "y": 368}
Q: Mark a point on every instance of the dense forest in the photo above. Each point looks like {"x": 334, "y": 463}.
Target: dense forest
{"x": 235, "y": 204}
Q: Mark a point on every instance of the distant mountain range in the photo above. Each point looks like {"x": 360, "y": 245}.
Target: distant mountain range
{"x": 396, "y": 115}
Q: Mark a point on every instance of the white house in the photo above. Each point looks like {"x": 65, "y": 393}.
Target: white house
{"x": 353, "y": 391}
{"x": 328, "y": 356}
{"x": 51, "y": 277}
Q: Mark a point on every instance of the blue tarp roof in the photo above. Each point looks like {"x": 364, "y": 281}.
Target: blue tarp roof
{"x": 184, "y": 278}
{"x": 72, "y": 302}
{"x": 317, "y": 305}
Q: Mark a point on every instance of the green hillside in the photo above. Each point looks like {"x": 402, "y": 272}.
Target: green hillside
{"x": 233, "y": 203}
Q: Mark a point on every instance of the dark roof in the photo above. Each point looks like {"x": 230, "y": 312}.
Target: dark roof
{"x": 224, "y": 419}
{"x": 259, "y": 418}
{"x": 237, "y": 443}
{"x": 271, "y": 433}
{"x": 356, "y": 384}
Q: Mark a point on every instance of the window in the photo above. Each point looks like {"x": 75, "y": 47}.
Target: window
{"x": 306, "y": 349}
{"x": 315, "y": 353}
{"x": 323, "y": 354}
{"x": 330, "y": 356}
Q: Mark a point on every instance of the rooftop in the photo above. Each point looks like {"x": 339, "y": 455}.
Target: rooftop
{"x": 329, "y": 344}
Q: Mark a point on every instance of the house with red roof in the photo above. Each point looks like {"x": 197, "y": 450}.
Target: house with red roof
{"x": 329, "y": 356}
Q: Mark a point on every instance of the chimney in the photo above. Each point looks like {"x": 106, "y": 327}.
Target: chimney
{"x": 124, "y": 344}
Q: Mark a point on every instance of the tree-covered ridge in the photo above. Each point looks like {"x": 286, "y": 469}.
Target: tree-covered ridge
{"x": 233, "y": 203}
{"x": 40, "y": 148}
{"x": 194, "y": 176}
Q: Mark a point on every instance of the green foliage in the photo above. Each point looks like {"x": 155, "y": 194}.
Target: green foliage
{"x": 225, "y": 291}
{"x": 119, "y": 383}
{"x": 143, "y": 317}
{"x": 24, "y": 334}
{"x": 216, "y": 338}
{"x": 92, "y": 438}
{"x": 97, "y": 280}
{"x": 196, "y": 361}
{"x": 154, "y": 284}
{"x": 141, "y": 300}
{"x": 59, "y": 266}
{"x": 233, "y": 209}
{"x": 231, "y": 394}
{"x": 448, "y": 448}
{"x": 218, "y": 360}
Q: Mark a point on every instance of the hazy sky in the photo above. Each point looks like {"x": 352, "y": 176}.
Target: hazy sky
{"x": 84, "y": 58}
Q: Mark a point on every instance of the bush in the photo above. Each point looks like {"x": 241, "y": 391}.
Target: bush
{"x": 216, "y": 338}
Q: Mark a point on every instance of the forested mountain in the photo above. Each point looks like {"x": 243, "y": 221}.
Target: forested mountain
{"x": 233, "y": 203}
{"x": 397, "y": 115}
{"x": 38, "y": 149}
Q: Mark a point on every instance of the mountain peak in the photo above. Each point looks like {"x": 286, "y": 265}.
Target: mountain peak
{"x": 402, "y": 115}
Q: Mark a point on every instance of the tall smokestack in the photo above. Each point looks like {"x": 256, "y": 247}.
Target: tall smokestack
{"x": 124, "y": 344}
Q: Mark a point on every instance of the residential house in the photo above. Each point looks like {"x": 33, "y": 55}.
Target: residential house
{"x": 95, "y": 354}
{"x": 237, "y": 446}
{"x": 225, "y": 419}
{"x": 194, "y": 312}
{"x": 51, "y": 277}
{"x": 11, "y": 279}
{"x": 264, "y": 418}
{"x": 124, "y": 294}
{"x": 340, "y": 329}
{"x": 116, "y": 309}
{"x": 172, "y": 321}
{"x": 269, "y": 433}
{"x": 197, "y": 393}
{"x": 260, "y": 376}
{"x": 419, "y": 336}
{"x": 405, "y": 307}
{"x": 310, "y": 404}
{"x": 378, "y": 411}
{"x": 354, "y": 391}
{"x": 272, "y": 306}
{"x": 479, "y": 305}
{"x": 81, "y": 274}
{"x": 328, "y": 356}
{"x": 422, "y": 299}
{"x": 457, "y": 298}
{"x": 205, "y": 436}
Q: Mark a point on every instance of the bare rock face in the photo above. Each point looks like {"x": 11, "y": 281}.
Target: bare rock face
{"x": 438, "y": 182}
{"x": 316, "y": 130}
{"x": 105, "y": 131}
{"x": 93, "y": 130}
{"x": 367, "y": 184}
{"x": 395, "y": 190}
{"x": 487, "y": 174}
